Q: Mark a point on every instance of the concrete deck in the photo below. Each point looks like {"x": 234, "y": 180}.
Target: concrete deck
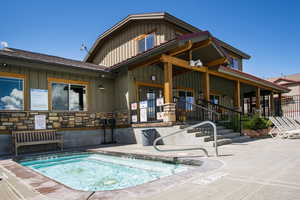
{"x": 260, "y": 170}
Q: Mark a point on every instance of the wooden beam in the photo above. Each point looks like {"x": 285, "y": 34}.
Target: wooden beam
{"x": 202, "y": 44}
{"x": 257, "y": 98}
{"x": 168, "y": 83}
{"x": 188, "y": 45}
{"x": 206, "y": 86}
{"x": 145, "y": 63}
{"x": 216, "y": 62}
{"x": 226, "y": 76}
{"x": 180, "y": 63}
{"x": 237, "y": 95}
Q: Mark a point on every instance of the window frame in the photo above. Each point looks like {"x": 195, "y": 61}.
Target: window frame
{"x": 69, "y": 82}
{"x": 25, "y": 88}
{"x": 144, "y": 36}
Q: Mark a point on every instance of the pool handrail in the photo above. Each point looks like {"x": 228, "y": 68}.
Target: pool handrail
{"x": 187, "y": 149}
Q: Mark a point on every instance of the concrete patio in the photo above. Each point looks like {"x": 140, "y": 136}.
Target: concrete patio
{"x": 260, "y": 169}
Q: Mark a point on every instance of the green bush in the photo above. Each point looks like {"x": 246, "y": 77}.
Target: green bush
{"x": 256, "y": 123}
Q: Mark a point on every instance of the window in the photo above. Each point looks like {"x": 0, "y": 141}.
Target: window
{"x": 146, "y": 43}
{"x": 67, "y": 96}
{"x": 11, "y": 93}
{"x": 235, "y": 63}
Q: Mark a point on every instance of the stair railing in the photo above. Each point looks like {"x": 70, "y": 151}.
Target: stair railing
{"x": 189, "y": 149}
{"x": 228, "y": 117}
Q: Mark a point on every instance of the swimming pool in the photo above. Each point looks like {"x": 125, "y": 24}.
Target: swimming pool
{"x": 98, "y": 172}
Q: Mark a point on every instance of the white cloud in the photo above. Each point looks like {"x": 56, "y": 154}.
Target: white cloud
{"x": 14, "y": 101}
{"x": 4, "y": 44}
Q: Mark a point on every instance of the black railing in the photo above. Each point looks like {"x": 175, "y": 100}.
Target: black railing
{"x": 219, "y": 114}
{"x": 290, "y": 106}
{"x": 229, "y": 117}
{"x": 187, "y": 111}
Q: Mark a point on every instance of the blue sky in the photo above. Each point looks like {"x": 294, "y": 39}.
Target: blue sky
{"x": 267, "y": 30}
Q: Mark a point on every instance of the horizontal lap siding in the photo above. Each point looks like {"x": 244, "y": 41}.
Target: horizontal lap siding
{"x": 99, "y": 101}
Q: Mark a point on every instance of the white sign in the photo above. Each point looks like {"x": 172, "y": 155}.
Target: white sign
{"x": 143, "y": 115}
{"x": 40, "y": 122}
{"x": 134, "y": 118}
{"x": 160, "y": 101}
{"x": 133, "y": 106}
{"x": 38, "y": 99}
{"x": 160, "y": 115}
{"x": 143, "y": 104}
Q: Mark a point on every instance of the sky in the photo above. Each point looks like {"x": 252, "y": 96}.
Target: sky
{"x": 268, "y": 30}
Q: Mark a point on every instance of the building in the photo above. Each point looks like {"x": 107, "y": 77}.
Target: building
{"x": 291, "y": 81}
{"x": 290, "y": 102}
{"x": 147, "y": 70}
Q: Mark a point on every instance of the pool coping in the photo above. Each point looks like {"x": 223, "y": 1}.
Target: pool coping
{"x": 55, "y": 189}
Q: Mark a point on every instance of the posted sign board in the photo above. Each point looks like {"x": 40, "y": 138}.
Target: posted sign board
{"x": 38, "y": 99}
{"x": 40, "y": 122}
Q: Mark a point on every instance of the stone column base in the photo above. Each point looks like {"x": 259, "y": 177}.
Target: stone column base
{"x": 169, "y": 112}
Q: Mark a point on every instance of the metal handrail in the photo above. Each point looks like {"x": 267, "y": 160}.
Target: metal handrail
{"x": 187, "y": 149}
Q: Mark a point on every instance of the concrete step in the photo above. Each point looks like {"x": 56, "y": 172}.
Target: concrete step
{"x": 243, "y": 138}
{"x": 231, "y": 140}
{"x": 224, "y": 131}
{"x": 219, "y": 129}
{"x": 224, "y": 136}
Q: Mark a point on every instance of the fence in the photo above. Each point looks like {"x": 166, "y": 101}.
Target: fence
{"x": 290, "y": 106}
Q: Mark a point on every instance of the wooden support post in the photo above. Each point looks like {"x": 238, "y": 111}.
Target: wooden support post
{"x": 169, "y": 107}
{"x": 168, "y": 83}
{"x": 257, "y": 98}
{"x": 206, "y": 86}
{"x": 237, "y": 95}
{"x": 271, "y": 104}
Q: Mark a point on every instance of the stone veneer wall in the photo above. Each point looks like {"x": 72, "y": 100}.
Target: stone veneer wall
{"x": 10, "y": 121}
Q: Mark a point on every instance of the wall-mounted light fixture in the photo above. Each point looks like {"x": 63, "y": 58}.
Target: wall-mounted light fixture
{"x": 101, "y": 87}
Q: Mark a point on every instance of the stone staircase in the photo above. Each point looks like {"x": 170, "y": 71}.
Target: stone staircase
{"x": 224, "y": 135}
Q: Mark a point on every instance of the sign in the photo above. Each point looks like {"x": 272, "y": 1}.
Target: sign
{"x": 40, "y": 122}
{"x": 134, "y": 106}
{"x": 160, "y": 115}
{"x": 134, "y": 118}
{"x": 143, "y": 104}
{"x": 143, "y": 115}
{"x": 160, "y": 101}
{"x": 38, "y": 99}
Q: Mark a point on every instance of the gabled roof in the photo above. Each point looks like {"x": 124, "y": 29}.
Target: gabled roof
{"x": 292, "y": 78}
{"x": 48, "y": 59}
{"x": 163, "y": 48}
{"x": 152, "y": 16}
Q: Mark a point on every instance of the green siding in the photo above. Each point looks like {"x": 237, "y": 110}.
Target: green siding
{"x": 98, "y": 100}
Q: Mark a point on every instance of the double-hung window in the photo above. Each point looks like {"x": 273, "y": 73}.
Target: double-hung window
{"x": 11, "y": 92}
{"x": 68, "y": 96}
{"x": 146, "y": 42}
{"x": 235, "y": 63}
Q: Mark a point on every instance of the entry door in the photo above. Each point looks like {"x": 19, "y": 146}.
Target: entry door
{"x": 150, "y": 94}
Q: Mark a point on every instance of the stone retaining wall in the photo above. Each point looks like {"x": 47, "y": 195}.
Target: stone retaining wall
{"x": 25, "y": 120}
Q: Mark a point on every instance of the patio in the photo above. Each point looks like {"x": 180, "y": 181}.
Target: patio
{"x": 259, "y": 169}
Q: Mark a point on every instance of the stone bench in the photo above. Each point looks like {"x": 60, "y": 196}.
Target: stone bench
{"x": 36, "y": 137}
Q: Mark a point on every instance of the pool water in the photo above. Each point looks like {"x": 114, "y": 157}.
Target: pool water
{"x": 95, "y": 172}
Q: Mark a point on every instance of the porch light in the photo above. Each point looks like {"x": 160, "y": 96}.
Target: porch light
{"x": 101, "y": 87}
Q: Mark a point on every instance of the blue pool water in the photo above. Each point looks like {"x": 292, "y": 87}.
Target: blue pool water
{"x": 95, "y": 172}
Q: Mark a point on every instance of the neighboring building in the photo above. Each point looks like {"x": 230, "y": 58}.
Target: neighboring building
{"x": 132, "y": 74}
{"x": 291, "y": 81}
{"x": 290, "y": 102}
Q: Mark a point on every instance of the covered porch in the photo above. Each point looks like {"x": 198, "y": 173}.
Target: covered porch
{"x": 193, "y": 82}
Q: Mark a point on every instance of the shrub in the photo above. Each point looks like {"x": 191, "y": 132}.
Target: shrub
{"x": 256, "y": 123}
